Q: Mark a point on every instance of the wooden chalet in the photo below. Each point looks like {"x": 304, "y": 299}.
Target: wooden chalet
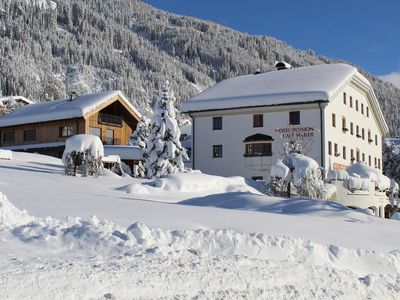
{"x": 44, "y": 127}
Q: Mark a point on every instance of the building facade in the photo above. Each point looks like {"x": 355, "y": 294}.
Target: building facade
{"x": 242, "y": 125}
{"x": 44, "y": 127}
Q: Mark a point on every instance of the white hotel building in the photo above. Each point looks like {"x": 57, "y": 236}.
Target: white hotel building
{"x": 240, "y": 124}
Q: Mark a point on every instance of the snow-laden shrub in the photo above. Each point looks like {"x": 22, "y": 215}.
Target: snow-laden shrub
{"x": 83, "y": 153}
{"x": 5, "y": 154}
{"x": 164, "y": 153}
{"x": 299, "y": 173}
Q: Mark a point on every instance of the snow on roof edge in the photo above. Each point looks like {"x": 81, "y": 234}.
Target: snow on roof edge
{"x": 73, "y": 110}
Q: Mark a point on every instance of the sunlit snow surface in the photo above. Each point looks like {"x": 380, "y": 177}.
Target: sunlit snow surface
{"x": 184, "y": 236}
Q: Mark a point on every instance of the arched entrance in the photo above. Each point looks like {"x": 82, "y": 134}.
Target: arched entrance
{"x": 388, "y": 210}
{"x": 374, "y": 209}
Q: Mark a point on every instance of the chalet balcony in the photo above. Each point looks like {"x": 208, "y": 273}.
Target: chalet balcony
{"x": 112, "y": 120}
{"x": 261, "y": 162}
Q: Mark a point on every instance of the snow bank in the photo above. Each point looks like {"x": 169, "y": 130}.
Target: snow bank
{"x": 382, "y": 182}
{"x": 83, "y": 142}
{"x": 341, "y": 175}
{"x": 301, "y": 164}
{"x": 279, "y": 170}
{"x": 198, "y": 182}
{"x": 5, "y": 154}
{"x": 93, "y": 238}
{"x": 10, "y": 215}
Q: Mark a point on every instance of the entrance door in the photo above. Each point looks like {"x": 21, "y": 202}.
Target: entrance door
{"x": 110, "y": 137}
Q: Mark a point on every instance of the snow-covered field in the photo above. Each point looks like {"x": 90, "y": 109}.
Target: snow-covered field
{"x": 185, "y": 236}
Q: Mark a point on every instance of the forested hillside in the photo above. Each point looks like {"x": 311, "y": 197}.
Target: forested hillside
{"x": 51, "y": 47}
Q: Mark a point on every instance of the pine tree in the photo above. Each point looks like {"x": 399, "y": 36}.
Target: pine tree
{"x": 139, "y": 138}
{"x": 391, "y": 161}
{"x": 164, "y": 153}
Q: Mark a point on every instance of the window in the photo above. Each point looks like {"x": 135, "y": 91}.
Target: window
{"x": 379, "y": 163}
{"x": 29, "y": 135}
{"x": 358, "y": 131}
{"x": 351, "y": 154}
{"x": 217, "y": 151}
{"x": 8, "y": 137}
{"x": 344, "y": 152}
{"x": 344, "y": 125}
{"x": 330, "y": 148}
{"x": 258, "y": 120}
{"x": 351, "y": 128}
{"x": 363, "y": 134}
{"x": 333, "y": 120}
{"x": 95, "y": 131}
{"x": 363, "y": 157}
{"x": 358, "y": 155}
{"x": 367, "y": 111}
{"x": 356, "y": 105}
{"x": 369, "y": 160}
{"x": 65, "y": 131}
{"x": 258, "y": 149}
{"x": 376, "y": 139}
{"x": 217, "y": 123}
{"x": 336, "y": 150}
{"x": 369, "y": 136}
{"x": 362, "y": 108}
{"x": 344, "y": 98}
{"x": 375, "y": 162}
{"x": 109, "y": 137}
{"x": 294, "y": 118}
{"x": 351, "y": 101}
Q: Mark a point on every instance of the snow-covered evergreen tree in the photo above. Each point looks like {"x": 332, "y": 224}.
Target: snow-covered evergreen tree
{"x": 391, "y": 161}
{"x": 139, "y": 138}
{"x": 141, "y": 133}
{"x": 164, "y": 153}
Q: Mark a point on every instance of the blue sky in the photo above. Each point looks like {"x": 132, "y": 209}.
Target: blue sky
{"x": 364, "y": 32}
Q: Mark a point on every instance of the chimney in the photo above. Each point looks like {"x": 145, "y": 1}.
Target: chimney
{"x": 72, "y": 95}
{"x": 282, "y": 65}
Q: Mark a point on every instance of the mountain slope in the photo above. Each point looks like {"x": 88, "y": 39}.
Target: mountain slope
{"x": 51, "y": 47}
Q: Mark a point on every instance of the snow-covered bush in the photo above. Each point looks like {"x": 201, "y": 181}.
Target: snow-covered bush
{"x": 5, "y": 154}
{"x": 164, "y": 153}
{"x": 280, "y": 177}
{"x": 83, "y": 153}
{"x": 299, "y": 173}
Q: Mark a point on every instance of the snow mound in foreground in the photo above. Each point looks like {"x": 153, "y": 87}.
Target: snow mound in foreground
{"x": 11, "y": 215}
{"x": 75, "y": 237}
{"x": 198, "y": 182}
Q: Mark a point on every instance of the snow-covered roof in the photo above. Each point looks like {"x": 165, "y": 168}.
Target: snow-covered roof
{"x": 124, "y": 152}
{"x": 297, "y": 85}
{"x": 61, "y": 109}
